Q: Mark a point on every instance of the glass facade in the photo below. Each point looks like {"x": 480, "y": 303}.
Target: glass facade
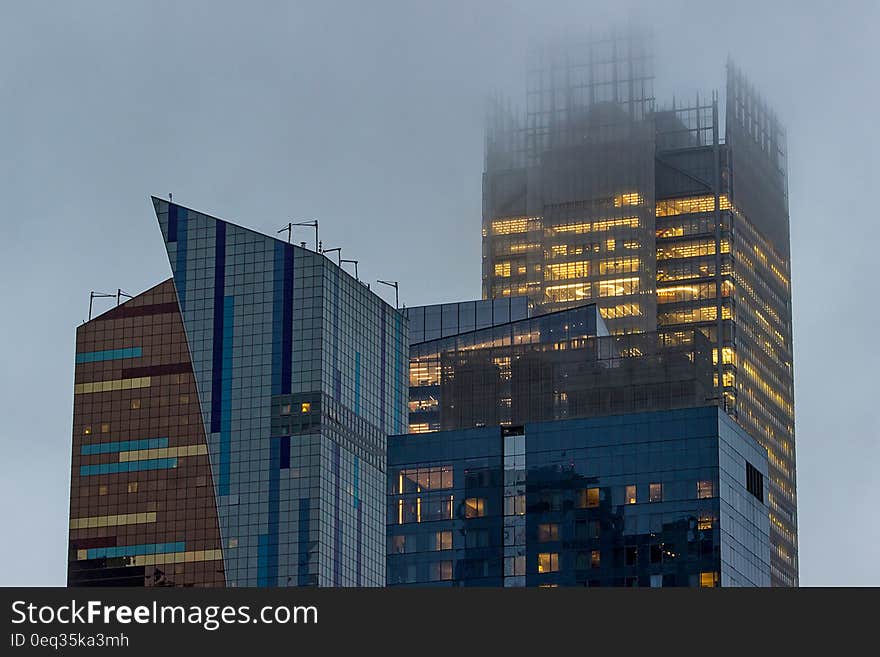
{"x": 669, "y": 498}
{"x": 297, "y": 373}
{"x": 554, "y": 366}
{"x": 444, "y": 319}
{"x": 670, "y": 219}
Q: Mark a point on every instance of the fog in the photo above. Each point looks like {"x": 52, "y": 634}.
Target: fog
{"x": 369, "y": 116}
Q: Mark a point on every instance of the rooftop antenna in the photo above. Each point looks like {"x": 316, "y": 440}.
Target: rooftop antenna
{"x": 314, "y": 224}
{"x": 355, "y": 263}
{"x": 289, "y": 229}
{"x": 121, "y": 293}
{"x": 97, "y": 295}
{"x": 396, "y": 286}
{"x": 170, "y": 197}
{"x": 338, "y": 251}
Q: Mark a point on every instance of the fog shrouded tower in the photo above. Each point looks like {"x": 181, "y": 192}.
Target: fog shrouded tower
{"x": 667, "y": 218}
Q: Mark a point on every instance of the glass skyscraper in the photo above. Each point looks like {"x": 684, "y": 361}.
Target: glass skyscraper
{"x": 667, "y": 498}
{"x": 668, "y": 218}
{"x": 230, "y": 425}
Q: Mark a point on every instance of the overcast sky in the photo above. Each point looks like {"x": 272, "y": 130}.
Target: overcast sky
{"x": 368, "y": 116}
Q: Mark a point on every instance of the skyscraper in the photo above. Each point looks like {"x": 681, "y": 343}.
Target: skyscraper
{"x": 230, "y": 424}
{"x": 667, "y": 218}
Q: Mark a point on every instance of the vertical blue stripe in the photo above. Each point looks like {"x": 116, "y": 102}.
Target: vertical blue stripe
{"x": 277, "y": 315}
{"x": 284, "y": 463}
{"x": 172, "y": 222}
{"x": 180, "y": 271}
{"x": 287, "y": 322}
{"x": 217, "y": 346}
{"x": 226, "y": 395}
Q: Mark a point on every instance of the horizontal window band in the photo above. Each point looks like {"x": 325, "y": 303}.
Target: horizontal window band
{"x": 156, "y": 370}
{"x": 130, "y": 550}
{"x": 108, "y": 354}
{"x": 163, "y": 453}
{"x": 109, "y": 386}
{"x": 113, "y": 521}
{"x": 177, "y": 557}
{"x": 123, "y": 446}
{"x": 128, "y": 466}
{"x": 140, "y": 311}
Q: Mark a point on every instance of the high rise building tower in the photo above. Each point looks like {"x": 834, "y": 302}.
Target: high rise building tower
{"x": 230, "y": 424}
{"x": 669, "y": 219}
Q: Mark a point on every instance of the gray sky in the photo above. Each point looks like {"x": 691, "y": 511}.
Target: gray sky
{"x": 368, "y": 115}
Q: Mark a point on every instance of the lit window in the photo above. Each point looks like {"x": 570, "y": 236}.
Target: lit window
{"x": 233, "y": 542}
{"x": 132, "y": 487}
{"x": 474, "y": 507}
{"x": 285, "y": 409}
{"x": 595, "y": 559}
{"x": 705, "y": 489}
{"x": 443, "y": 540}
{"x": 655, "y": 492}
{"x": 548, "y": 562}
{"x": 305, "y": 407}
{"x": 548, "y": 532}
{"x": 706, "y": 521}
{"x": 102, "y": 490}
{"x": 588, "y": 498}
{"x": 630, "y": 494}
{"x": 87, "y": 430}
{"x": 105, "y": 428}
{"x": 184, "y": 399}
{"x": 708, "y": 580}
{"x": 398, "y": 544}
{"x": 441, "y": 570}
{"x": 135, "y": 404}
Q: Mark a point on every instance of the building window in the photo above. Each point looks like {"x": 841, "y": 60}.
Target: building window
{"x": 305, "y": 407}
{"x": 705, "y": 489}
{"x": 595, "y": 559}
{"x": 515, "y": 505}
{"x": 630, "y": 494}
{"x": 474, "y": 507}
{"x": 548, "y": 562}
{"x": 705, "y": 521}
{"x": 708, "y": 580}
{"x": 631, "y": 555}
{"x": 588, "y": 498}
{"x": 285, "y": 409}
{"x": 132, "y": 487}
{"x": 398, "y": 544}
{"x": 87, "y": 430}
{"x": 655, "y": 492}
{"x": 183, "y": 399}
{"x": 514, "y": 566}
{"x": 135, "y": 404}
{"x": 443, "y": 540}
{"x": 102, "y": 490}
{"x": 656, "y": 581}
{"x": 105, "y": 428}
{"x": 418, "y": 480}
{"x": 754, "y": 481}
{"x": 233, "y": 542}
{"x": 548, "y": 532}
{"x": 441, "y": 571}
